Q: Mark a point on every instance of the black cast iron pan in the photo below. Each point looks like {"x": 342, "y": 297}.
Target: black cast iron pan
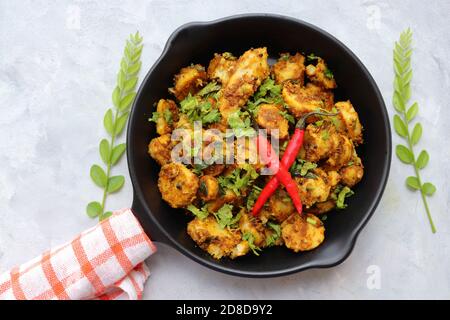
{"x": 196, "y": 43}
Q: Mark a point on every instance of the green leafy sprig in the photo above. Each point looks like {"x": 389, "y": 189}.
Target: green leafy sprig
{"x": 114, "y": 122}
{"x": 404, "y": 118}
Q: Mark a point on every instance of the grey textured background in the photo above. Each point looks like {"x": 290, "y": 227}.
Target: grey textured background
{"x": 58, "y": 62}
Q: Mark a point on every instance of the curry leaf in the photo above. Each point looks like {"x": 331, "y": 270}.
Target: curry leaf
{"x": 403, "y": 74}
{"x": 416, "y": 134}
{"x": 422, "y": 160}
{"x": 413, "y": 183}
{"x": 114, "y": 122}
{"x": 404, "y": 154}
{"x": 428, "y": 188}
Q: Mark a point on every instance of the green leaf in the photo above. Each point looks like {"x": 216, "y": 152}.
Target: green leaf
{"x": 404, "y": 154}
{"x": 121, "y": 122}
{"x": 344, "y": 193}
{"x": 407, "y": 77}
{"x": 115, "y": 183}
{"x": 413, "y": 183}
{"x": 416, "y": 133}
{"x": 130, "y": 84}
{"x": 105, "y": 150}
{"x": 98, "y": 176}
{"x": 224, "y": 216}
{"x": 428, "y": 188}
{"x": 106, "y": 215}
{"x": 397, "y": 100}
{"x": 117, "y": 153}
{"x": 134, "y": 68}
{"x": 121, "y": 77}
{"x": 126, "y": 101}
{"x": 199, "y": 213}
{"x": 412, "y": 112}
{"x": 250, "y": 238}
{"x": 94, "y": 209}
{"x": 400, "y": 126}
{"x": 108, "y": 122}
{"x": 116, "y": 96}
{"x": 422, "y": 159}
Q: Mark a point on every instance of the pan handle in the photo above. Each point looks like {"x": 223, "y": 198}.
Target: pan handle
{"x": 152, "y": 231}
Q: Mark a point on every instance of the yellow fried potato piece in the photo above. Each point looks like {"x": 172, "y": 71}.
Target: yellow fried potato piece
{"x": 289, "y": 68}
{"x": 250, "y": 70}
{"x": 300, "y": 235}
{"x": 178, "y": 185}
{"x": 212, "y": 238}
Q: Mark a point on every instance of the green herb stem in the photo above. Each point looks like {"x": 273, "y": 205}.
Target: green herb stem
{"x": 108, "y": 166}
{"x": 416, "y": 170}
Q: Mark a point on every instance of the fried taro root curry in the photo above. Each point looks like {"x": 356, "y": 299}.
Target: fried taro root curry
{"x": 240, "y": 93}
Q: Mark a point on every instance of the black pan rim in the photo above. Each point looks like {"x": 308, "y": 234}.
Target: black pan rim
{"x": 352, "y": 237}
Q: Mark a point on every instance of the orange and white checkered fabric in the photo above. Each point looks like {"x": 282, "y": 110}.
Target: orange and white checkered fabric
{"x": 105, "y": 262}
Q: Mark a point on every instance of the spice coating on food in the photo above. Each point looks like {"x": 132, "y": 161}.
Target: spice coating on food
{"x": 317, "y": 152}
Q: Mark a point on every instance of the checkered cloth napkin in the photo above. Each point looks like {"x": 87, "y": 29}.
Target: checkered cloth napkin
{"x": 105, "y": 262}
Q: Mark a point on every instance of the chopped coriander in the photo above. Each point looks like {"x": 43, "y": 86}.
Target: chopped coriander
{"x": 224, "y": 216}
{"x": 341, "y": 195}
{"x": 199, "y": 213}
{"x": 311, "y": 221}
{"x": 268, "y": 88}
{"x": 236, "y": 181}
{"x": 328, "y": 74}
{"x": 240, "y": 123}
{"x": 318, "y": 123}
{"x": 285, "y": 57}
{"x": 252, "y": 197}
{"x": 287, "y": 116}
{"x": 209, "y": 88}
{"x": 324, "y": 217}
{"x": 212, "y": 116}
{"x": 311, "y": 57}
{"x": 250, "y": 238}
{"x": 198, "y": 167}
{"x": 273, "y": 237}
{"x": 168, "y": 116}
{"x": 325, "y": 135}
{"x": 199, "y": 110}
{"x": 268, "y": 92}
{"x": 302, "y": 168}
{"x": 155, "y": 117}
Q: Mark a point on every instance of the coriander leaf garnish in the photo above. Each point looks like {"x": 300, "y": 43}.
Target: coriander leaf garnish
{"x": 155, "y": 117}
{"x": 275, "y": 235}
{"x": 250, "y": 238}
{"x": 168, "y": 116}
{"x": 114, "y": 122}
{"x": 199, "y": 213}
{"x": 311, "y": 221}
{"x": 268, "y": 92}
{"x": 240, "y": 123}
{"x": 289, "y": 117}
{"x": 340, "y": 196}
{"x": 302, "y": 168}
{"x": 225, "y": 218}
{"x": 405, "y": 116}
{"x": 311, "y": 57}
{"x": 328, "y": 74}
{"x": 284, "y": 57}
{"x": 209, "y": 89}
{"x": 199, "y": 110}
{"x": 252, "y": 197}
{"x": 238, "y": 179}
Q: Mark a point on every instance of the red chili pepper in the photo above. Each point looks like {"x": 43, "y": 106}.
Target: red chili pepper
{"x": 289, "y": 156}
{"x": 269, "y": 156}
